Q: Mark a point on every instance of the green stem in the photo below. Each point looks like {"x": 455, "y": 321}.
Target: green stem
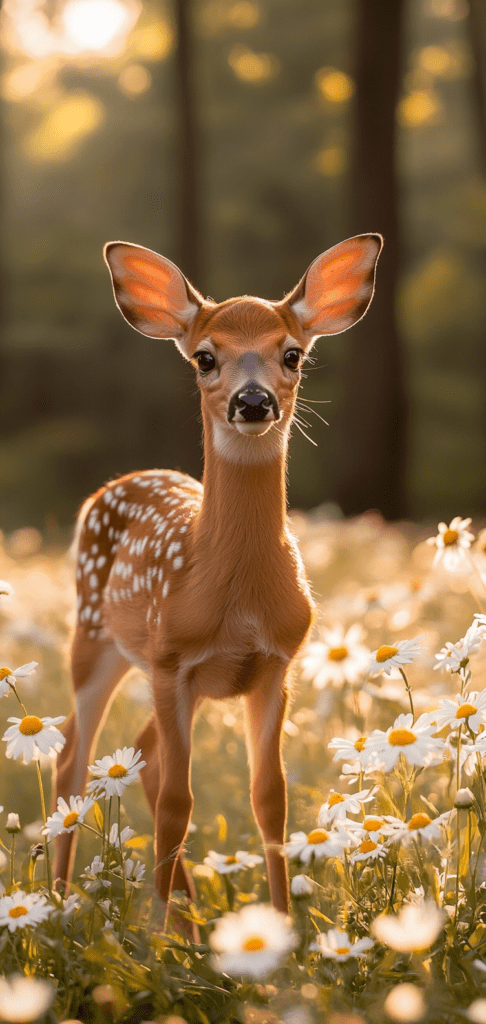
{"x": 407, "y": 684}
{"x": 44, "y": 818}
{"x": 12, "y": 859}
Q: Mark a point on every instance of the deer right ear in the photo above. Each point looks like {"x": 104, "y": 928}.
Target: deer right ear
{"x": 151, "y": 292}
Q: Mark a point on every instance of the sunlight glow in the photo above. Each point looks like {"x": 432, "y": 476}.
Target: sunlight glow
{"x": 336, "y": 86}
{"x": 84, "y": 26}
{"x": 95, "y": 24}
{"x": 65, "y": 128}
{"x": 252, "y": 67}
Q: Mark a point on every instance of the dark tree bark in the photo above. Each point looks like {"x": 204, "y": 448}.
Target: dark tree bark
{"x": 188, "y": 222}
{"x": 374, "y": 409}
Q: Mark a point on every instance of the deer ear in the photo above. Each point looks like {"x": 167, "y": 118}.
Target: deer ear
{"x": 336, "y": 290}
{"x": 151, "y": 292}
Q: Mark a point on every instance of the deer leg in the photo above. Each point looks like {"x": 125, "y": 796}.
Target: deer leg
{"x": 148, "y": 741}
{"x": 265, "y": 712}
{"x": 97, "y": 668}
{"x": 173, "y": 713}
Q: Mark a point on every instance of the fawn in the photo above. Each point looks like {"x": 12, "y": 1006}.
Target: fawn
{"x": 203, "y": 587}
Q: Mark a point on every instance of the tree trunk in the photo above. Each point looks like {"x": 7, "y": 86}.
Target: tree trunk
{"x": 374, "y": 408}
{"x": 188, "y": 222}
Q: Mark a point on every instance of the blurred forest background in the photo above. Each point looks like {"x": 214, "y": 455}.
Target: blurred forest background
{"x": 241, "y": 138}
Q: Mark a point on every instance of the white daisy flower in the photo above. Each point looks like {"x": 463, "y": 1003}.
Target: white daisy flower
{"x": 115, "y": 772}
{"x": 368, "y": 849}
{"x": 414, "y": 741}
{"x": 302, "y": 885}
{"x": 336, "y": 945}
{"x": 402, "y": 652}
{"x": 421, "y": 824}
{"x": 318, "y": 843}
{"x": 23, "y": 908}
{"x": 469, "y": 710}
{"x": 452, "y": 657}
{"x": 9, "y": 676}
{"x": 69, "y": 907}
{"x": 414, "y": 929}
{"x": 91, "y": 873}
{"x": 375, "y": 826}
{"x": 225, "y": 865}
{"x": 337, "y": 806}
{"x": 67, "y": 817}
{"x": 452, "y": 543}
{"x": 24, "y": 999}
{"x": 125, "y": 835}
{"x": 134, "y": 872}
{"x": 339, "y": 658}
{"x": 356, "y": 750}
{"x": 253, "y": 941}
{"x": 30, "y": 737}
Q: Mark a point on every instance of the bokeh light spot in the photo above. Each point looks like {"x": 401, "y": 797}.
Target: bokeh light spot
{"x": 252, "y": 67}
{"x": 335, "y": 86}
{"x": 418, "y": 108}
{"x": 134, "y": 80}
{"x": 64, "y": 129}
{"x": 331, "y": 161}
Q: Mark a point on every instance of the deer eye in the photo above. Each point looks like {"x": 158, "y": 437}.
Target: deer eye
{"x": 292, "y": 358}
{"x": 205, "y": 361}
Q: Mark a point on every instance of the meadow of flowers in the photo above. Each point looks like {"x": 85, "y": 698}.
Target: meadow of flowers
{"x": 386, "y": 753}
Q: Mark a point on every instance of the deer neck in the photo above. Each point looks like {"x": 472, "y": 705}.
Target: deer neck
{"x": 243, "y": 512}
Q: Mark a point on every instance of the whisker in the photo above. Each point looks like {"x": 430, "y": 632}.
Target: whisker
{"x": 303, "y": 421}
{"x": 304, "y": 433}
{"x": 319, "y": 417}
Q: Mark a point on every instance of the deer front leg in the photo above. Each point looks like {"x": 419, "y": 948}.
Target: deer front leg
{"x": 265, "y": 713}
{"x": 174, "y": 802}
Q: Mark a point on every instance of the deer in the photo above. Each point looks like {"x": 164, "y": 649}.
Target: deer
{"x": 202, "y": 585}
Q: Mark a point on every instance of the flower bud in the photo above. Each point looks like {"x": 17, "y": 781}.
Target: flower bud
{"x": 301, "y": 885}
{"x": 464, "y": 799}
{"x": 13, "y": 823}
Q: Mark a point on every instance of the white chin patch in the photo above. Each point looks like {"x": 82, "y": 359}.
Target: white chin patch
{"x": 257, "y": 427}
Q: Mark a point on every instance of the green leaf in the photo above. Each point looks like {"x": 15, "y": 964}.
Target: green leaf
{"x": 98, "y": 813}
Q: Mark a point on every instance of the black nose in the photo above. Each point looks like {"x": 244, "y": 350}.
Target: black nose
{"x": 253, "y": 403}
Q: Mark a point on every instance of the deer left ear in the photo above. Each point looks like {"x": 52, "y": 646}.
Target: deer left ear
{"x": 337, "y": 289}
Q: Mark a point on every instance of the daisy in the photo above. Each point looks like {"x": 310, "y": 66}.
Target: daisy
{"x": 24, "y": 999}
{"x": 29, "y": 737}
{"x": 452, "y": 657}
{"x": 302, "y": 885}
{"x": 452, "y": 543}
{"x": 356, "y": 750}
{"x": 469, "y": 710}
{"x": 91, "y": 873}
{"x": 414, "y": 741}
{"x": 118, "y": 840}
{"x": 423, "y": 825}
{"x": 402, "y": 652}
{"x": 67, "y": 816}
{"x": 114, "y": 773}
{"x": 368, "y": 849}
{"x": 339, "y": 658}
{"x": 413, "y": 929}
{"x": 338, "y": 806}
{"x": 23, "y": 908}
{"x": 226, "y": 865}
{"x": 374, "y": 826}
{"x": 317, "y": 843}
{"x": 134, "y": 872}
{"x": 252, "y": 942}
{"x": 9, "y": 676}
{"x": 336, "y": 945}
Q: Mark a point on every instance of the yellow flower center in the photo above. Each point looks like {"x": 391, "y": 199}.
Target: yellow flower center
{"x": 418, "y": 821}
{"x": 384, "y": 653}
{"x": 117, "y": 771}
{"x": 367, "y": 846}
{"x": 30, "y": 725}
{"x": 465, "y": 710}
{"x": 450, "y": 537}
{"x": 18, "y": 911}
{"x": 4, "y": 672}
{"x": 342, "y": 950}
{"x": 337, "y": 653}
{"x": 335, "y": 798}
{"x": 231, "y": 860}
{"x": 360, "y": 743}
{"x": 401, "y": 737}
{"x": 70, "y": 819}
{"x": 253, "y": 943}
{"x": 373, "y": 824}
{"x": 317, "y": 836}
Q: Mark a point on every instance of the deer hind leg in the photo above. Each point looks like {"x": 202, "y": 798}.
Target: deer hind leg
{"x": 265, "y": 712}
{"x": 97, "y": 668}
{"x": 148, "y": 741}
